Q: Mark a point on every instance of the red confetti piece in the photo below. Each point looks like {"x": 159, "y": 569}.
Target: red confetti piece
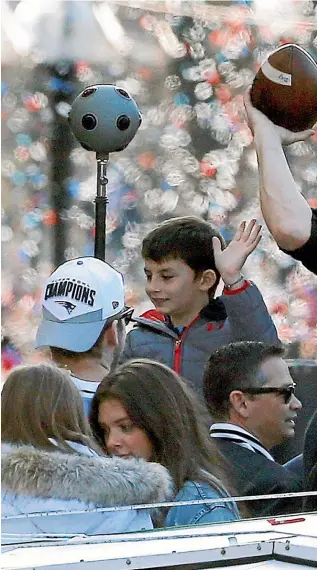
{"x": 50, "y": 218}
{"x": 207, "y": 169}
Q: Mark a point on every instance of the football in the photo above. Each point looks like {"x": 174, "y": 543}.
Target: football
{"x": 285, "y": 88}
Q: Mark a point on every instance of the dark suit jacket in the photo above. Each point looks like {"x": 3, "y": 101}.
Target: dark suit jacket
{"x": 310, "y": 463}
{"x": 254, "y": 474}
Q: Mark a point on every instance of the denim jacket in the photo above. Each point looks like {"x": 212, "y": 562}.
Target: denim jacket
{"x": 202, "y": 513}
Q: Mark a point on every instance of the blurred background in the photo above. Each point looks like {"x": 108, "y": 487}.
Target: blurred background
{"x": 187, "y": 64}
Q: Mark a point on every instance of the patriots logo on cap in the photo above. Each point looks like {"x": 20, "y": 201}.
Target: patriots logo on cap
{"x": 68, "y": 306}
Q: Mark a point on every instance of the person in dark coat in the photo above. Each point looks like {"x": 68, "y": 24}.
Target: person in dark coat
{"x": 310, "y": 463}
{"x": 250, "y": 394}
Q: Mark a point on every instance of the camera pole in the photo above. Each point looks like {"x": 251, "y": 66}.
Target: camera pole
{"x": 101, "y": 202}
{"x": 103, "y": 118}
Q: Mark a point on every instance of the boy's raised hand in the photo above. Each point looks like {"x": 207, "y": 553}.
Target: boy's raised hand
{"x": 230, "y": 260}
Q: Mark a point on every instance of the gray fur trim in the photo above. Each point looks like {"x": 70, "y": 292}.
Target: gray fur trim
{"x": 103, "y": 481}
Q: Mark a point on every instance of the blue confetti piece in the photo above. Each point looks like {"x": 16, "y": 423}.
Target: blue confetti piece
{"x": 23, "y": 140}
{"x": 73, "y": 188}
{"x": 181, "y": 99}
{"x": 23, "y": 256}
{"x": 164, "y": 185}
{"x": 4, "y": 88}
{"x": 18, "y": 178}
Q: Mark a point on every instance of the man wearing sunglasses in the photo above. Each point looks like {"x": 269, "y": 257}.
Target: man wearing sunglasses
{"x": 251, "y": 395}
{"x": 83, "y": 321}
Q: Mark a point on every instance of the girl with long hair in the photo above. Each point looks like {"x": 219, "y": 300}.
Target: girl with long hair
{"x": 51, "y": 462}
{"x": 144, "y": 409}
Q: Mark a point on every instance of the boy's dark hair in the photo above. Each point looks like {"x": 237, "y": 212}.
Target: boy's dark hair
{"x": 234, "y": 367}
{"x": 187, "y": 238}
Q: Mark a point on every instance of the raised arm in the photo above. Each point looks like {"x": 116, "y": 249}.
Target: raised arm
{"x": 286, "y": 212}
{"x": 248, "y": 316}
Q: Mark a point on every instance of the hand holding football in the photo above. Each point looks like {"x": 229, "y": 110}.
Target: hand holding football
{"x": 285, "y": 88}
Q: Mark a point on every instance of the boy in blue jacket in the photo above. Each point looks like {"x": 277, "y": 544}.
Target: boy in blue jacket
{"x": 184, "y": 259}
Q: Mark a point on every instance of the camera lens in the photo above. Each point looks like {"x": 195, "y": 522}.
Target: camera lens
{"x": 123, "y": 122}
{"x": 89, "y": 122}
{"x": 123, "y": 92}
{"x": 89, "y": 91}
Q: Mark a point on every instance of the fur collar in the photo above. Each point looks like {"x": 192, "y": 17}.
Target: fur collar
{"x": 103, "y": 481}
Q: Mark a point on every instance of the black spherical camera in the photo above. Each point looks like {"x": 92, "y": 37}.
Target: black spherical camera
{"x": 104, "y": 118}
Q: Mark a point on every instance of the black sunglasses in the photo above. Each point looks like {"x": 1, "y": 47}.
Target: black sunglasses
{"x": 287, "y": 393}
{"x": 125, "y": 314}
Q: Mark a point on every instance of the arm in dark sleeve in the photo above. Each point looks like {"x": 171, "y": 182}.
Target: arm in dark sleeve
{"x": 248, "y": 315}
{"x": 307, "y": 254}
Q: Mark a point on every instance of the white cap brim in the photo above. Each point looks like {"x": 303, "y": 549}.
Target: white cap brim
{"x": 69, "y": 336}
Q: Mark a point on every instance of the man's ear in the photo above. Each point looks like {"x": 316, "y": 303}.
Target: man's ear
{"x": 239, "y": 402}
{"x": 207, "y": 280}
{"x": 110, "y": 339}
{"x": 121, "y": 336}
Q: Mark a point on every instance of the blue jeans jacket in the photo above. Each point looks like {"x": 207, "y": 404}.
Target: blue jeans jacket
{"x": 202, "y": 513}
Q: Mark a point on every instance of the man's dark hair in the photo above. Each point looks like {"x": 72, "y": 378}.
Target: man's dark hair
{"x": 187, "y": 238}
{"x": 234, "y": 367}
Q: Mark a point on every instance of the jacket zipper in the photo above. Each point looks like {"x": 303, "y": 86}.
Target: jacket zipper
{"x": 178, "y": 347}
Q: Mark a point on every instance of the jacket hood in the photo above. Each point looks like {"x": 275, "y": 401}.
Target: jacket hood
{"x": 103, "y": 481}
{"x": 214, "y": 311}
{"x": 155, "y": 320}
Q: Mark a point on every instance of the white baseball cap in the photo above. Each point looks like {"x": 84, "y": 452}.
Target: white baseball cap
{"x": 77, "y": 300}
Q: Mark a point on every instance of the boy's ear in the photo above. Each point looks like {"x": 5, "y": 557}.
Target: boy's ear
{"x": 207, "y": 279}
